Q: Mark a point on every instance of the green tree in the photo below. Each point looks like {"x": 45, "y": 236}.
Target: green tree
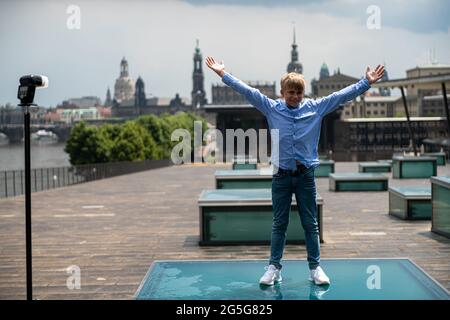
{"x": 186, "y": 121}
{"x": 156, "y": 127}
{"x": 86, "y": 145}
{"x": 133, "y": 143}
{"x": 110, "y": 131}
{"x": 148, "y": 137}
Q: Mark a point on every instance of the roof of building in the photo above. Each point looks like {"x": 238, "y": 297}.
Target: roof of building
{"x": 393, "y": 119}
{"x": 433, "y": 79}
{"x": 382, "y": 98}
{"x": 80, "y": 111}
{"x": 154, "y": 101}
{"x": 431, "y": 66}
{"x": 436, "y": 97}
{"x": 338, "y": 77}
{"x": 253, "y": 83}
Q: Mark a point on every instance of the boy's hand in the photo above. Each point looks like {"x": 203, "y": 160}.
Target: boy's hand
{"x": 218, "y": 68}
{"x": 374, "y": 75}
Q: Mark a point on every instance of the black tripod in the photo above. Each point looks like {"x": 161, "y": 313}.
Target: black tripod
{"x": 27, "y": 137}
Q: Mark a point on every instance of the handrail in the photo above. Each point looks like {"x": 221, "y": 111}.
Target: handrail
{"x": 12, "y": 181}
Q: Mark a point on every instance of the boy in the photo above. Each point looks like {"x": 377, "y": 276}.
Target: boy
{"x": 298, "y": 122}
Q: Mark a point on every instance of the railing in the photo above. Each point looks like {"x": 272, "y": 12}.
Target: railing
{"x": 12, "y": 183}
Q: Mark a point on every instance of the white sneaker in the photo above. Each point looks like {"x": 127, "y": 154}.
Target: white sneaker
{"x": 271, "y": 276}
{"x": 319, "y": 277}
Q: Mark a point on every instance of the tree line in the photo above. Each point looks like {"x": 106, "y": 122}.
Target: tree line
{"x": 146, "y": 137}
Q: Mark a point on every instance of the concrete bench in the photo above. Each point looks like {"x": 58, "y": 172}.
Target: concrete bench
{"x": 244, "y": 163}
{"x": 244, "y": 179}
{"x": 244, "y": 166}
{"x": 440, "y": 201}
{"x": 413, "y": 167}
{"x": 358, "y": 182}
{"x": 260, "y": 178}
{"x": 244, "y": 216}
{"x": 441, "y": 157}
{"x": 324, "y": 169}
{"x": 374, "y": 167}
{"x": 410, "y": 203}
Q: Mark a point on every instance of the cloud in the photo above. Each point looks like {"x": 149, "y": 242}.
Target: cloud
{"x": 420, "y": 16}
{"x": 158, "y": 40}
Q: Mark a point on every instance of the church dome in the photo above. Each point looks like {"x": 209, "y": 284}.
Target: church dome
{"x": 324, "y": 72}
{"x": 124, "y": 87}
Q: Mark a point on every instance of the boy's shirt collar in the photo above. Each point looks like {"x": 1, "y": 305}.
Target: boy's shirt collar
{"x": 290, "y": 107}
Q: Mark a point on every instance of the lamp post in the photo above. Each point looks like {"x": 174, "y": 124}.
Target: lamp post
{"x": 27, "y": 88}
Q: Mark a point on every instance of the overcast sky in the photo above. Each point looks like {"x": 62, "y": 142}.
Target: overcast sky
{"x": 253, "y": 38}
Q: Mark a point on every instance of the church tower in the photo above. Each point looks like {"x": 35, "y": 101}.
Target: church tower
{"x": 294, "y": 65}
{"x": 324, "y": 72}
{"x": 139, "y": 96}
{"x": 198, "y": 92}
{"x": 108, "y": 101}
{"x": 385, "y": 91}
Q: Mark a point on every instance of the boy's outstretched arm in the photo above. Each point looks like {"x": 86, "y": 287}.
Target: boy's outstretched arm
{"x": 332, "y": 101}
{"x": 254, "y": 96}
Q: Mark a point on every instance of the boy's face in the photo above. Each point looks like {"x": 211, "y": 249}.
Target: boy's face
{"x": 292, "y": 96}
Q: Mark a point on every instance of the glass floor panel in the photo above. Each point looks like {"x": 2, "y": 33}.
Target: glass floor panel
{"x": 236, "y": 194}
{"x": 245, "y": 172}
{"x": 445, "y": 180}
{"x": 244, "y": 166}
{"x": 241, "y": 195}
{"x": 351, "y": 279}
{"x": 413, "y": 191}
{"x": 358, "y": 175}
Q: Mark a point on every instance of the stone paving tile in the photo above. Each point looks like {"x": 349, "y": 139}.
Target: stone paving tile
{"x": 153, "y": 215}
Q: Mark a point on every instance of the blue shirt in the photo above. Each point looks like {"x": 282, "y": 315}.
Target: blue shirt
{"x": 298, "y": 128}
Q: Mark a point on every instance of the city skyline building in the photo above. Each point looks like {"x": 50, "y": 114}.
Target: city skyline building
{"x": 294, "y": 65}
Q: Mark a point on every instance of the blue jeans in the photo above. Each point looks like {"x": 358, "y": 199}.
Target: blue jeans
{"x": 303, "y": 186}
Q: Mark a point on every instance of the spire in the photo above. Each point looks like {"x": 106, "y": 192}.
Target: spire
{"x": 123, "y": 68}
{"x": 198, "y": 92}
{"x": 108, "y": 101}
{"x": 385, "y": 91}
{"x": 197, "y": 48}
{"x": 294, "y": 65}
{"x": 294, "y": 33}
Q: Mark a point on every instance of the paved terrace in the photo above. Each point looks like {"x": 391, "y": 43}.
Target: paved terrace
{"x": 153, "y": 215}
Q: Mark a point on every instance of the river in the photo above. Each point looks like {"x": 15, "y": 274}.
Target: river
{"x": 43, "y": 155}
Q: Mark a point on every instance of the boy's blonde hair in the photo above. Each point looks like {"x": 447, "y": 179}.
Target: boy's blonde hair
{"x": 293, "y": 80}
